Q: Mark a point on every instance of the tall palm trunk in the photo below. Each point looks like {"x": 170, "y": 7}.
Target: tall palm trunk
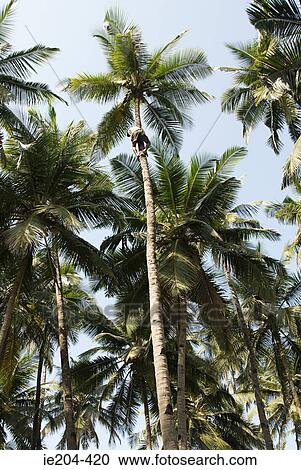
{"x": 149, "y": 440}
{"x": 286, "y": 382}
{"x": 64, "y": 353}
{"x": 10, "y": 309}
{"x": 166, "y": 417}
{"x": 181, "y": 375}
{"x": 36, "y": 427}
{"x": 264, "y": 424}
{"x": 286, "y": 366}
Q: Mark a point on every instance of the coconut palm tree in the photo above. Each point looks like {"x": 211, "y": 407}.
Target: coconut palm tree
{"x": 216, "y": 422}
{"x": 254, "y": 368}
{"x": 16, "y": 404}
{"x": 215, "y": 418}
{"x": 87, "y": 413}
{"x": 196, "y": 219}
{"x": 40, "y": 326}
{"x": 119, "y": 371}
{"x": 162, "y": 85}
{"x": 51, "y": 189}
{"x": 274, "y": 314}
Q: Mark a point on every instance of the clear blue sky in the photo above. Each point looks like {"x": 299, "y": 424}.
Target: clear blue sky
{"x": 70, "y": 25}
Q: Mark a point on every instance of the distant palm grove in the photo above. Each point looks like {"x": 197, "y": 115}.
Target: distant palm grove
{"x": 202, "y": 349}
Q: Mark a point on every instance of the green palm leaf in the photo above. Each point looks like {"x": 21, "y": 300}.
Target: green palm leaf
{"x": 22, "y": 63}
{"x": 114, "y": 126}
{"x": 6, "y": 16}
{"x": 276, "y": 16}
{"x": 101, "y": 88}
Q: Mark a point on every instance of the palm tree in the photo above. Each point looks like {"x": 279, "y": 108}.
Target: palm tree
{"x": 119, "y": 371}
{"x": 16, "y": 404}
{"x": 196, "y": 219}
{"x": 87, "y": 413}
{"x": 161, "y": 84}
{"x": 40, "y": 325}
{"x": 274, "y": 313}
{"x": 216, "y": 422}
{"x": 215, "y": 417}
{"x": 51, "y": 190}
{"x": 15, "y": 69}
{"x": 254, "y": 372}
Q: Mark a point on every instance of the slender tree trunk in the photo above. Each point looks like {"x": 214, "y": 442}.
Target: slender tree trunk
{"x": 287, "y": 385}
{"x": 10, "y": 309}
{"x": 166, "y": 417}
{"x": 43, "y": 396}
{"x": 36, "y": 428}
{"x": 254, "y": 370}
{"x": 292, "y": 386}
{"x": 286, "y": 396}
{"x": 64, "y": 353}
{"x": 181, "y": 375}
{"x": 149, "y": 440}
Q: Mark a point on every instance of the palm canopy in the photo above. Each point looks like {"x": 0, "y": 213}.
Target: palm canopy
{"x": 119, "y": 370}
{"x": 216, "y": 421}
{"x": 199, "y": 232}
{"x": 275, "y": 311}
{"x": 51, "y": 189}
{"x": 16, "y": 405}
{"x": 162, "y": 82}
{"x": 15, "y": 69}
{"x": 196, "y": 215}
{"x": 266, "y": 88}
{"x": 281, "y": 18}
{"x": 267, "y": 82}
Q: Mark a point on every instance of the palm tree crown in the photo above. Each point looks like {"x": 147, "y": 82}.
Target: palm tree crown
{"x": 162, "y": 81}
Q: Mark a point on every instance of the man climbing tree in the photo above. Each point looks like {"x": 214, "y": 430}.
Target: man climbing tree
{"x": 140, "y": 141}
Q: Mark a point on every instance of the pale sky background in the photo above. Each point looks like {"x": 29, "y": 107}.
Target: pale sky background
{"x": 70, "y": 24}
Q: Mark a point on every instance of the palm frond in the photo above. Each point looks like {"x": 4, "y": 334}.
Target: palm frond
{"x": 21, "y": 92}
{"x": 6, "y": 15}
{"x": 127, "y": 172}
{"x": 186, "y": 65}
{"x": 20, "y": 64}
{"x": 277, "y": 17}
{"x": 114, "y": 126}
{"x": 101, "y": 88}
{"x": 164, "y": 124}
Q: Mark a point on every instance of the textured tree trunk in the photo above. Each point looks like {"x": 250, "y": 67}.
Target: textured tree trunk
{"x": 166, "y": 417}
{"x": 264, "y": 424}
{"x": 181, "y": 375}
{"x": 64, "y": 353}
{"x": 43, "y": 396}
{"x": 10, "y": 309}
{"x": 149, "y": 440}
{"x": 288, "y": 388}
{"x": 36, "y": 427}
